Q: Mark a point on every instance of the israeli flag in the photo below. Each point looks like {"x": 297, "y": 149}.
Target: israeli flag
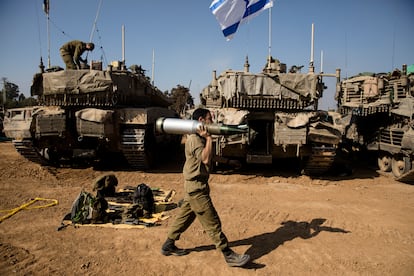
{"x": 231, "y": 13}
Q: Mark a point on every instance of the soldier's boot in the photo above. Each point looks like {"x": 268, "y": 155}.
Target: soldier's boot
{"x": 169, "y": 248}
{"x": 234, "y": 259}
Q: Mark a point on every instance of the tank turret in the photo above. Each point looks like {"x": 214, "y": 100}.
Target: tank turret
{"x": 274, "y": 88}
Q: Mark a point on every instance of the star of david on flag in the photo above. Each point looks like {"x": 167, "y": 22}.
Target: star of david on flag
{"x": 231, "y": 13}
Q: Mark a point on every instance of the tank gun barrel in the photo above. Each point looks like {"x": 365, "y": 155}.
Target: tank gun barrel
{"x": 181, "y": 126}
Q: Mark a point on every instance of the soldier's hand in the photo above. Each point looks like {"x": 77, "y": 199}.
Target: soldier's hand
{"x": 202, "y": 131}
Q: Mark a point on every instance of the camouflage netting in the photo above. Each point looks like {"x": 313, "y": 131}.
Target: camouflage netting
{"x": 76, "y": 81}
{"x": 50, "y": 110}
{"x": 94, "y": 115}
{"x": 97, "y": 88}
{"x": 282, "y": 86}
{"x": 229, "y": 116}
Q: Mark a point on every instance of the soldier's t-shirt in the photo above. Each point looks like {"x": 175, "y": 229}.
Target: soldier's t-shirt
{"x": 195, "y": 172}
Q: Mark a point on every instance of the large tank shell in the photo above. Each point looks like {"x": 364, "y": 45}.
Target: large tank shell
{"x": 179, "y": 126}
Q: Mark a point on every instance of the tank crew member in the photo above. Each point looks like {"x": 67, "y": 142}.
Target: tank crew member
{"x": 72, "y": 51}
{"x": 197, "y": 202}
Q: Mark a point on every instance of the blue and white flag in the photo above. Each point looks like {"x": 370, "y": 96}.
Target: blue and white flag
{"x": 231, "y": 13}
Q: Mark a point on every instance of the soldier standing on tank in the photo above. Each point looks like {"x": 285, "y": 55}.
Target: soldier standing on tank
{"x": 197, "y": 202}
{"x": 72, "y": 51}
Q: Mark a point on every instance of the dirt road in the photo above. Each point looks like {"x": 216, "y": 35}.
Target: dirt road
{"x": 290, "y": 225}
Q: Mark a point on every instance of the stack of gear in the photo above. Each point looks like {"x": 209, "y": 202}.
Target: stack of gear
{"x": 144, "y": 197}
{"x": 142, "y": 205}
{"x": 89, "y": 209}
{"x": 138, "y": 205}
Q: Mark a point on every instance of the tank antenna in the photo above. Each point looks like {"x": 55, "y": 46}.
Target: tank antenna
{"x": 311, "y": 67}
{"x": 41, "y": 66}
{"x": 321, "y": 61}
{"x": 123, "y": 44}
{"x": 270, "y": 31}
{"x": 94, "y": 24}
{"x": 46, "y": 9}
{"x": 96, "y": 19}
{"x": 153, "y": 66}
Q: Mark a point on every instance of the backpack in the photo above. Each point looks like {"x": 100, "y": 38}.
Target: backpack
{"x": 143, "y": 196}
{"x": 88, "y": 209}
{"x": 105, "y": 185}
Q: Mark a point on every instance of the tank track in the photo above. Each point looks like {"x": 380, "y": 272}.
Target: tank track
{"x": 320, "y": 161}
{"x": 133, "y": 147}
{"x": 26, "y": 149}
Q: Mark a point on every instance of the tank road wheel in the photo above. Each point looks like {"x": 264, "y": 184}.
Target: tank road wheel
{"x": 384, "y": 162}
{"x": 400, "y": 165}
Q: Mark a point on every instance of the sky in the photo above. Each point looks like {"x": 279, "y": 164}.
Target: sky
{"x": 180, "y": 42}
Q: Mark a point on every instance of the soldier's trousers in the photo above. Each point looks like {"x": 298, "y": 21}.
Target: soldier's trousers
{"x": 199, "y": 205}
{"x": 68, "y": 59}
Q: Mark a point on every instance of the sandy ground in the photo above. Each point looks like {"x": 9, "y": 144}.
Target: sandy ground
{"x": 290, "y": 224}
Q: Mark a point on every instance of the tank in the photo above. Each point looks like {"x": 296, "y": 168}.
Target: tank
{"x": 378, "y": 116}
{"x": 280, "y": 110}
{"x": 92, "y": 115}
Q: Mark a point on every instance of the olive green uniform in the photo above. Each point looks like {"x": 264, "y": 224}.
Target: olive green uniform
{"x": 197, "y": 201}
{"x": 71, "y": 53}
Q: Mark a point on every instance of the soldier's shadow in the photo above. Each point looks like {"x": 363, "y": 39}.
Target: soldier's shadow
{"x": 265, "y": 243}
